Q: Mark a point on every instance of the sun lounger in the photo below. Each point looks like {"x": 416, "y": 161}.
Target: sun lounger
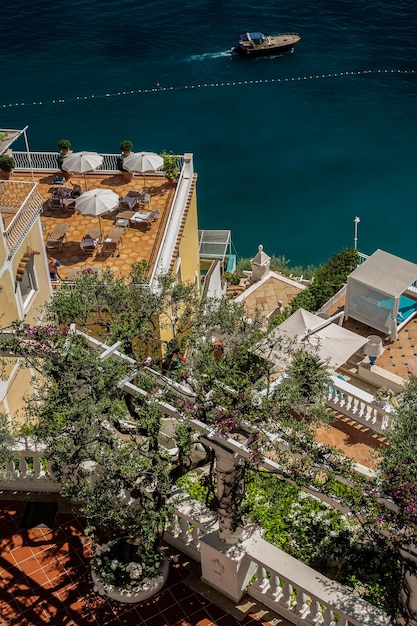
{"x": 145, "y": 218}
{"x": 114, "y": 239}
{"x": 56, "y": 238}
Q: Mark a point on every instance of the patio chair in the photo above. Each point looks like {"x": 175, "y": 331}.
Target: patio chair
{"x": 88, "y": 246}
{"x": 55, "y": 202}
{"x": 129, "y": 202}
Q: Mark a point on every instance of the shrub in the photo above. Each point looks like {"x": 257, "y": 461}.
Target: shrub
{"x": 171, "y": 165}
{"x": 64, "y": 144}
{"x": 328, "y": 279}
{"x": 126, "y": 145}
{"x": 7, "y": 163}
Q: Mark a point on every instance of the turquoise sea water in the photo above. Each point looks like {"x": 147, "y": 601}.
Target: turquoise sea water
{"x": 286, "y": 163}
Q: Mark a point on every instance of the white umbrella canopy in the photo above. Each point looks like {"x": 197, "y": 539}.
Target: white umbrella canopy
{"x": 143, "y": 163}
{"x": 333, "y": 343}
{"x": 96, "y": 202}
{"x": 82, "y": 162}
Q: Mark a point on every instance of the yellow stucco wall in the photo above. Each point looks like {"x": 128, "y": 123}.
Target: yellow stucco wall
{"x": 19, "y": 390}
{"x": 9, "y": 310}
{"x": 34, "y": 241}
{"x": 188, "y": 249}
{"x": 20, "y": 382}
{"x": 8, "y": 306}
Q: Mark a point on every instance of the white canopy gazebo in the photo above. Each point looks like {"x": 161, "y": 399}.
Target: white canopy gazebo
{"x": 376, "y": 292}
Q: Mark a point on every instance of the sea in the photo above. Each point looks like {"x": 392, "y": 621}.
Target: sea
{"x": 289, "y": 149}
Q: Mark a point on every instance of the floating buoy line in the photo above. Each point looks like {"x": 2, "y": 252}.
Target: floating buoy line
{"x": 237, "y": 83}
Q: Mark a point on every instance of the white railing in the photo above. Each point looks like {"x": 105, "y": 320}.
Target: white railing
{"x": 48, "y": 161}
{"x": 301, "y": 595}
{"x": 29, "y": 470}
{"x": 25, "y": 203}
{"x": 284, "y": 584}
{"x": 192, "y": 520}
{"x": 356, "y": 404}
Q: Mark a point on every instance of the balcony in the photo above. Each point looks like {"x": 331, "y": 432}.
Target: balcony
{"x": 20, "y": 206}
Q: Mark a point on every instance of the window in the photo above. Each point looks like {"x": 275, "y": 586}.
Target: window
{"x": 28, "y": 284}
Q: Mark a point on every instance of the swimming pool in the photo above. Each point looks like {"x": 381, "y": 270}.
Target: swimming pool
{"x": 406, "y": 309}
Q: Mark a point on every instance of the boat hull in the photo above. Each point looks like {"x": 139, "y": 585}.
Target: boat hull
{"x": 274, "y": 44}
{"x": 246, "y": 52}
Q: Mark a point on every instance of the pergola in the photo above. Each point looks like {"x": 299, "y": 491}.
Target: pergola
{"x": 375, "y": 293}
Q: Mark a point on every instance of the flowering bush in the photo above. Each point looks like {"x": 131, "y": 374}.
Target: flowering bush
{"x": 113, "y": 569}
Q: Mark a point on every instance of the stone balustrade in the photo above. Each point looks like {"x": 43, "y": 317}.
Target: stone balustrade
{"x": 300, "y": 594}
{"x": 357, "y": 404}
{"x": 29, "y": 470}
{"x": 269, "y": 575}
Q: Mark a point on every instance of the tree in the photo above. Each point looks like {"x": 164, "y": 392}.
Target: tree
{"x": 79, "y": 408}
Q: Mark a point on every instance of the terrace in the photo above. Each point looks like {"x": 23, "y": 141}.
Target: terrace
{"x": 137, "y": 244}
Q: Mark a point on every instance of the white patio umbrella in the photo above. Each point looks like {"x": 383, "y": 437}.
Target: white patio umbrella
{"x": 82, "y": 162}
{"x": 96, "y": 202}
{"x": 334, "y": 344}
{"x": 143, "y": 163}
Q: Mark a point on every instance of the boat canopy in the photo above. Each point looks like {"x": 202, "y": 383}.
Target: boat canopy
{"x": 256, "y": 36}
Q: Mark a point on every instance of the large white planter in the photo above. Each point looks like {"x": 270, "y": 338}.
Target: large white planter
{"x": 124, "y": 595}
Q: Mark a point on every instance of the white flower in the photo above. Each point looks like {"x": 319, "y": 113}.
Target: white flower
{"x": 98, "y": 561}
{"x": 135, "y": 570}
{"x": 114, "y": 564}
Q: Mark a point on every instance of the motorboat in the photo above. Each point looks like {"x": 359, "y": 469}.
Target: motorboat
{"x": 258, "y": 44}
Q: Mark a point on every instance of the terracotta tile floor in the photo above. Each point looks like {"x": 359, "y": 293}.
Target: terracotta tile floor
{"x": 137, "y": 243}
{"x": 44, "y": 579}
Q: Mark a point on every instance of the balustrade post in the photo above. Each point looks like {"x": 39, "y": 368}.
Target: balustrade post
{"x": 228, "y": 489}
{"x": 224, "y": 563}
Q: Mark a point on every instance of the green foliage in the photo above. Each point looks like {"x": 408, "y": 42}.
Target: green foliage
{"x": 282, "y": 265}
{"x": 7, "y": 163}
{"x": 198, "y": 486}
{"x": 328, "y": 279}
{"x": 6, "y": 444}
{"x": 171, "y": 165}
{"x": 305, "y": 387}
{"x": 313, "y": 532}
{"x": 126, "y": 145}
{"x": 398, "y": 470}
{"x": 119, "y": 564}
{"x": 64, "y": 144}
{"x": 233, "y": 278}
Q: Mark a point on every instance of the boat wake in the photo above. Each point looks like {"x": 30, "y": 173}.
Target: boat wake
{"x": 210, "y": 55}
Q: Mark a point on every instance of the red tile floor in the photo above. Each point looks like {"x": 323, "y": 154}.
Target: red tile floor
{"x": 44, "y": 579}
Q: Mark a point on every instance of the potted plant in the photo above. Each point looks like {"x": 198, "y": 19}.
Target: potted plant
{"x": 7, "y": 165}
{"x": 126, "y": 148}
{"x": 64, "y": 146}
{"x": 171, "y": 166}
{"x": 383, "y": 396}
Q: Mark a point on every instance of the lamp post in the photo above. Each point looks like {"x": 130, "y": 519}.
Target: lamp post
{"x": 355, "y": 237}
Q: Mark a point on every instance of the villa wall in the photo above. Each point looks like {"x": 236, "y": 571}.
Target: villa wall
{"x": 19, "y": 388}
{"x": 188, "y": 248}
{"x": 16, "y": 381}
